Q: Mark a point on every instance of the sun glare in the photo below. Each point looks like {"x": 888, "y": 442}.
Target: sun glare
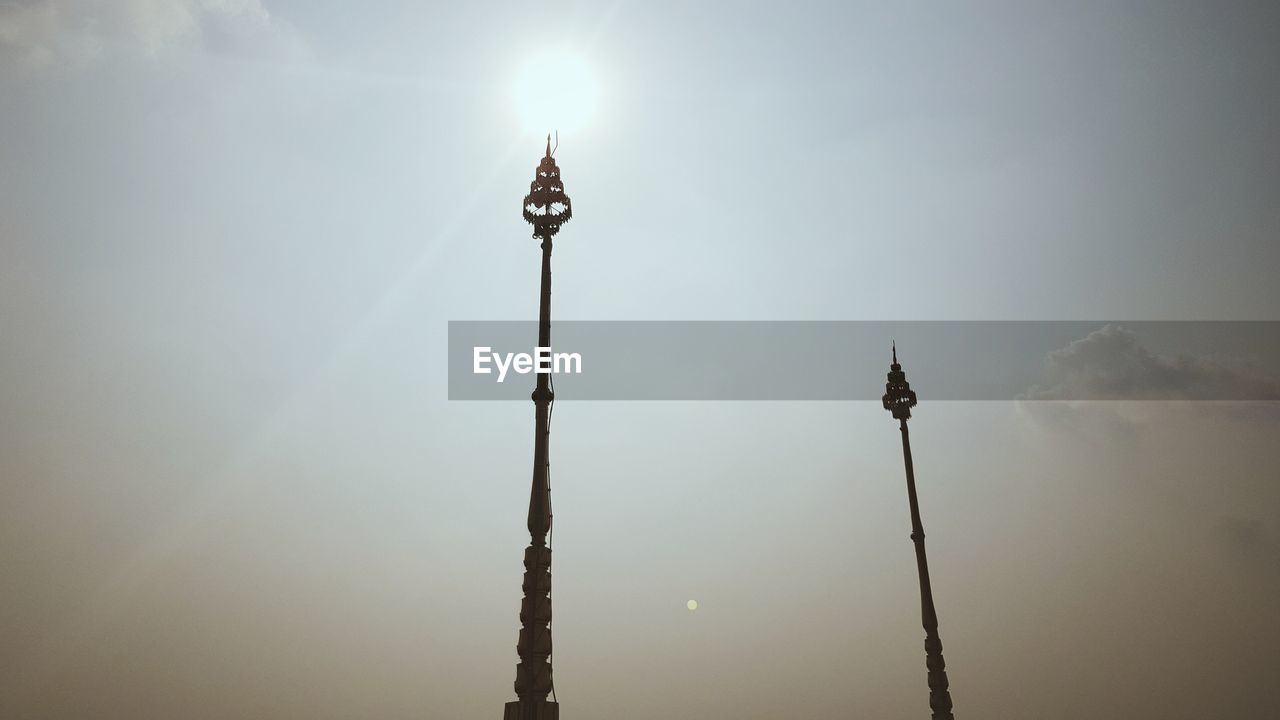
{"x": 554, "y": 91}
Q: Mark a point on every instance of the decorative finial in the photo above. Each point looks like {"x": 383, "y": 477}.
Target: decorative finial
{"x": 898, "y": 397}
{"x": 546, "y": 207}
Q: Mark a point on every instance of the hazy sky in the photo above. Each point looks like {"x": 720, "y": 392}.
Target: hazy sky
{"x": 232, "y": 233}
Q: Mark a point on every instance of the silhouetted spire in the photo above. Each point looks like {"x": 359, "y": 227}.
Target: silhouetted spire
{"x": 899, "y": 398}
{"x": 546, "y": 207}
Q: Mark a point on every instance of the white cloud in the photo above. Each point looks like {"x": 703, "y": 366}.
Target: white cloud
{"x": 1109, "y": 364}
{"x": 36, "y": 33}
{"x": 43, "y": 32}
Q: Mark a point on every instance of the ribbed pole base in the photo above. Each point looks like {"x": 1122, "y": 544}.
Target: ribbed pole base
{"x": 531, "y": 710}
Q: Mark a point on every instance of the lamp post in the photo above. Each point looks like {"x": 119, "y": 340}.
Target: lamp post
{"x": 898, "y": 399}
{"x": 546, "y": 207}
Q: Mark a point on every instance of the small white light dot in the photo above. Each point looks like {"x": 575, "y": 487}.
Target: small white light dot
{"x": 692, "y": 604}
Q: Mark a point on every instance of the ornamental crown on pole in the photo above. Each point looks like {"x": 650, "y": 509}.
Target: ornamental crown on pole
{"x": 546, "y": 207}
{"x": 898, "y": 398}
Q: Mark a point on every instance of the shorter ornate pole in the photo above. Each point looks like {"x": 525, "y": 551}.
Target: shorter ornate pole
{"x": 899, "y": 398}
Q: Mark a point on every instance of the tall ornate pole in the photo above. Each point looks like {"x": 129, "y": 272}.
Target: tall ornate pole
{"x": 899, "y": 398}
{"x": 546, "y": 207}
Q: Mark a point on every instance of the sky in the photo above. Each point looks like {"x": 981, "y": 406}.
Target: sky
{"x": 233, "y": 232}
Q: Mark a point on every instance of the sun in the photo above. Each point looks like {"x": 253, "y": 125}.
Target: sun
{"x": 554, "y": 90}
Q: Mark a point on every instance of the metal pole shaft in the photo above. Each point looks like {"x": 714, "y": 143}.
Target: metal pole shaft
{"x": 539, "y": 502}
{"x": 533, "y": 673}
{"x": 939, "y": 697}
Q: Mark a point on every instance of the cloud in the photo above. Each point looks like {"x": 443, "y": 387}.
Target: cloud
{"x": 45, "y": 32}
{"x": 1241, "y": 531}
{"x": 1109, "y": 364}
{"x": 1249, "y": 539}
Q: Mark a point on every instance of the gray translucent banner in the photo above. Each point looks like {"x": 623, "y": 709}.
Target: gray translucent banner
{"x": 847, "y": 360}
